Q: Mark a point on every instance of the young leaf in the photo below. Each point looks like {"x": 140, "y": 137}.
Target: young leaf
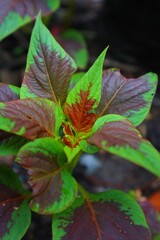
{"x": 117, "y": 135}
{"x": 74, "y": 44}
{"x": 14, "y": 14}
{"x": 15, "y": 214}
{"x": 8, "y": 92}
{"x": 84, "y": 97}
{"x": 131, "y": 98}
{"x": 109, "y": 215}
{"x": 30, "y": 118}
{"x": 54, "y": 189}
{"x": 49, "y": 67}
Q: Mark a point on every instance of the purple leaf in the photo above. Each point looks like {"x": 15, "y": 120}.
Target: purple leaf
{"x": 151, "y": 217}
{"x": 111, "y": 215}
{"x": 53, "y": 186}
{"x": 131, "y": 98}
{"x": 16, "y": 13}
{"x": 30, "y": 118}
{"x": 118, "y": 135}
{"x": 49, "y": 67}
{"x": 9, "y": 144}
{"x": 8, "y": 92}
{"x": 14, "y": 210}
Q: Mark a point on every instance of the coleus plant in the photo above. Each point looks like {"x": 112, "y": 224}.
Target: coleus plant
{"x": 49, "y": 122}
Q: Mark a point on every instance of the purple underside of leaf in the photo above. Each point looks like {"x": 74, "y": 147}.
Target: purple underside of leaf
{"x": 23, "y": 8}
{"x": 125, "y": 96}
{"x": 49, "y": 75}
{"x": 32, "y": 118}
{"x": 106, "y": 222}
{"x": 10, "y": 200}
{"x": 120, "y": 133}
{"x": 6, "y": 93}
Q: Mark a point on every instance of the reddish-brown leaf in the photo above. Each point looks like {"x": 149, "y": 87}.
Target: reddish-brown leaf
{"x": 80, "y": 113}
{"x": 120, "y": 133}
{"x": 30, "y": 118}
{"x": 49, "y": 75}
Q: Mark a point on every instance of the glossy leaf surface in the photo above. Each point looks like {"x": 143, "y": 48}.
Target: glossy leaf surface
{"x": 49, "y": 67}
{"x": 117, "y": 135}
{"x": 84, "y": 97}
{"x": 131, "y": 98}
{"x": 109, "y": 215}
{"x": 30, "y": 118}
{"x": 14, "y": 14}
{"x": 15, "y": 214}
{"x": 54, "y": 189}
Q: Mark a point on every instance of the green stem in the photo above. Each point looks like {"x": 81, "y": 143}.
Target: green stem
{"x": 74, "y": 162}
{"x": 83, "y": 192}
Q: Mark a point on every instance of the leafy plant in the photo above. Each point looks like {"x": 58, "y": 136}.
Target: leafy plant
{"x": 14, "y": 14}
{"x": 47, "y": 124}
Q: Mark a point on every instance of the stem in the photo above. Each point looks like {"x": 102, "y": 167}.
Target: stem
{"x": 74, "y": 162}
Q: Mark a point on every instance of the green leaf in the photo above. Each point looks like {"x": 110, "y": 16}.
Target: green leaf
{"x": 88, "y": 148}
{"x": 54, "y": 189}
{"x": 15, "y": 214}
{"x": 74, "y": 80}
{"x": 84, "y": 97}
{"x": 74, "y": 44}
{"x": 30, "y": 118}
{"x": 49, "y": 68}
{"x": 131, "y": 97}
{"x": 117, "y": 135}
{"x": 71, "y": 153}
{"x": 10, "y": 144}
{"x": 109, "y": 215}
{"x": 15, "y": 14}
